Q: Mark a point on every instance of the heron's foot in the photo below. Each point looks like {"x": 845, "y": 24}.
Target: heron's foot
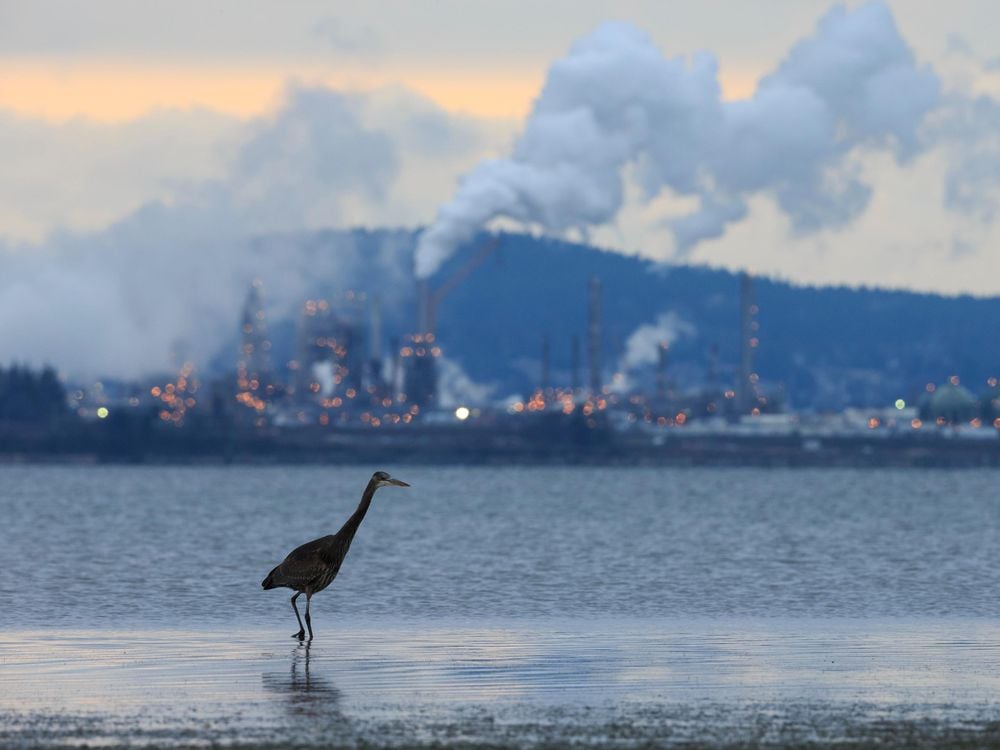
{"x": 301, "y": 635}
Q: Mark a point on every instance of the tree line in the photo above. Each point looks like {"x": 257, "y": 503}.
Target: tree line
{"x": 28, "y": 395}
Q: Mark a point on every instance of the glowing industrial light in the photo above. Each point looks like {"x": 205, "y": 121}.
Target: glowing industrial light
{"x": 900, "y": 404}
{"x": 462, "y": 413}
{"x": 102, "y": 412}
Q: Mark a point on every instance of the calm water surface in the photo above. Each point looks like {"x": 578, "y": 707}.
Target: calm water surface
{"x": 187, "y": 547}
{"x": 503, "y": 606}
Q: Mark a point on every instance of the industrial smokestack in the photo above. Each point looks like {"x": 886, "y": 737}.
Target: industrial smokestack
{"x": 746, "y": 389}
{"x": 575, "y": 365}
{"x": 424, "y": 323}
{"x": 254, "y": 365}
{"x": 375, "y": 340}
{"x": 546, "y": 364}
{"x": 375, "y": 329}
{"x": 713, "y": 367}
{"x": 661, "y": 371}
{"x": 396, "y": 378}
{"x": 594, "y": 334}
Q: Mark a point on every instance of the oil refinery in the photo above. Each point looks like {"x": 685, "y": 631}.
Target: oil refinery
{"x": 354, "y": 387}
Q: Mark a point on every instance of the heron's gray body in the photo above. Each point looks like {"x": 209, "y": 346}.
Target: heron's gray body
{"x": 310, "y": 568}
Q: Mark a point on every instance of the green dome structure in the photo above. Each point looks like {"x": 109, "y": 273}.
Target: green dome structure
{"x": 951, "y": 402}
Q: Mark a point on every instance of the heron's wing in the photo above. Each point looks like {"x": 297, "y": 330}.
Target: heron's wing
{"x": 309, "y": 550}
{"x": 303, "y": 564}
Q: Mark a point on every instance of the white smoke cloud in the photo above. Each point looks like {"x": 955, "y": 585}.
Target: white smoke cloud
{"x": 616, "y": 101}
{"x": 322, "y": 373}
{"x": 300, "y": 166}
{"x": 171, "y": 276}
{"x": 123, "y": 302}
{"x": 456, "y": 388}
{"x": 642, "y": 348}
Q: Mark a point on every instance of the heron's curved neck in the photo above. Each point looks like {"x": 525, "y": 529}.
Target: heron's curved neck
{"x": 358, "y": 516}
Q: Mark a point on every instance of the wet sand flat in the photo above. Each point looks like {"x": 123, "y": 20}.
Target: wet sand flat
{"x": 393, "y": 683}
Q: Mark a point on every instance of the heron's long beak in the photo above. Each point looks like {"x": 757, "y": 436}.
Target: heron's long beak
{"x": 397, "y": 482}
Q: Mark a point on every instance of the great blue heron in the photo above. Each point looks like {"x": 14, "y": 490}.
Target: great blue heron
{"x": 311, "y": 567}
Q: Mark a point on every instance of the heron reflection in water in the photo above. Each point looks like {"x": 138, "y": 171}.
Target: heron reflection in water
{"x": 313, "y": 566}
{"x": 306, "y": 694}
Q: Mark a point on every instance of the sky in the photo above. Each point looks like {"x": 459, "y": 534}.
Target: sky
{"x": 823, "y": 143}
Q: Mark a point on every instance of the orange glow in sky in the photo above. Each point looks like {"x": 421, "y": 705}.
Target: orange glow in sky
{"x": 117, "y": 92}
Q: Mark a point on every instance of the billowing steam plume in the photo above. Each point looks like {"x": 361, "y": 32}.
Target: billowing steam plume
{"x": 642, "y": 348}
{"x": 166, "y": 282}
{"x": 616, "y": 101}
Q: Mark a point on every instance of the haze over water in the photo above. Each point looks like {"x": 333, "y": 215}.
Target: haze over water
{"x": 499, "y": 605}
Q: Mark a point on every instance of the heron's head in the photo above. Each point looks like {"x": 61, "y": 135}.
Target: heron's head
{"x": 382, "y": 479}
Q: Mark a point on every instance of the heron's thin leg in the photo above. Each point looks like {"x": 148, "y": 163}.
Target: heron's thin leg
{"x": 308, "y": 618}
{"x": 302, "y": 631}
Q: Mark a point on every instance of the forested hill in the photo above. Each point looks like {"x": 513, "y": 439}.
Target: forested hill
{"x": 827, "y": 347}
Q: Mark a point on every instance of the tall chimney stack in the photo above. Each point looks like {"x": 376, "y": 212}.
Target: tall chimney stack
{"x": 575, "y": 365}
{"x": 546, "y": 366}
{"x": 746, "y": 389}
{"x": 375, "y": 339}
{"x": 423, "y": 307}
{"x": 713, "y": 367}
{"x": 661, "y": 371}
{"x": 594, "y": 334}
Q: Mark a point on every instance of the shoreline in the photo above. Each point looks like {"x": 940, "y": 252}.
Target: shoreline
{"x": 784, "y": 452}
{"x": 545, "y": 441}
{"x": 391, "y": 683}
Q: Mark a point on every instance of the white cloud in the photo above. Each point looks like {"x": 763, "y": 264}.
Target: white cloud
{"x": 80, "y": 175}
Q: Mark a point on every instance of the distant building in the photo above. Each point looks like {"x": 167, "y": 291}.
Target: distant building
{"x": 747, "y": 393}
{"x": 950, "y": 403}
{"x": 594, "y": 335}
{"x": 254, "y": 378}
{"x": 331, "y": 349}
{"x": 418, "y": 355}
